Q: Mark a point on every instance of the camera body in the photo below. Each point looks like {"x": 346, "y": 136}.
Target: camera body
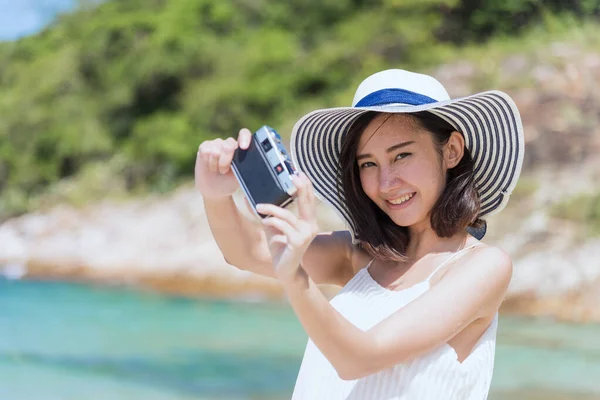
{"x": 264, "y": 170}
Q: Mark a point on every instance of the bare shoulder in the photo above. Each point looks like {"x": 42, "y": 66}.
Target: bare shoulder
{"x": 484, "y": 261}
{"x": 332, "y": 258}
{"x": 485, "y": 271}
{"x": 493, "y": 260}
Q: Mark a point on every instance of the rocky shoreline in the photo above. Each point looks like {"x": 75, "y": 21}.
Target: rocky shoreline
{"x": 160, "y": 243}
{"x": 164, "y": 244}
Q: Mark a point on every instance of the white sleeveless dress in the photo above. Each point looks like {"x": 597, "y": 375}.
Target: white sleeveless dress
{"x": 437, "y": 375}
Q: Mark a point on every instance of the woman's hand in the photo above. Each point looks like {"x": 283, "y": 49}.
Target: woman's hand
{"x": 289, "y": 235}
{"x": 213, "y": 175}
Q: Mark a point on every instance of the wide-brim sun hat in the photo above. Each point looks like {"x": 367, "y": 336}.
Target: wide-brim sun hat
{"x": 489, "y": 121}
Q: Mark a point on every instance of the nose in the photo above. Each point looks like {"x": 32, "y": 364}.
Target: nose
{"x": 388, "y": 180}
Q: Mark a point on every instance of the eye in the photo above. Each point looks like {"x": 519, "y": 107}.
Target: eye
{"x": 402, "y": 155}
{"x": 366, "y": 165}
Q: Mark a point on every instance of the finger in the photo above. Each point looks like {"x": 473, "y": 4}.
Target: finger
{"x": 204, "y": 151}
{"x": 244, "y": 138}
{"x": 274, "y": 235}
{"x": 204, "y": 155}
{"x": 278, "y": 212}
{"x": 282, "y": 226}
{"x": 306, "y": 197}
{"x": 215, "y": 153}
{"x": 226, "y": 156}
{"x": 279, "y": 239}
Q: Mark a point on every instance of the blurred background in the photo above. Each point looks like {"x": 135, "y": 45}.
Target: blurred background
{"x": 111, "y": 286}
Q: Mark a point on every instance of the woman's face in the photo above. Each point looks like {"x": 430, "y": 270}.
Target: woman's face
{"x": 400, "y": 169}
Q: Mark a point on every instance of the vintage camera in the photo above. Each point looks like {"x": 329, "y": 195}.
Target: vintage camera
{"x": 264, "y": 170}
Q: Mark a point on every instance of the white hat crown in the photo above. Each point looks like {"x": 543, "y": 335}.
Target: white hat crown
{"x": 401, "y": 79}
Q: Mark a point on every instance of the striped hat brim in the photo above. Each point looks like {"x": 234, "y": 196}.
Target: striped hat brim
{"x": 489, "y": 121}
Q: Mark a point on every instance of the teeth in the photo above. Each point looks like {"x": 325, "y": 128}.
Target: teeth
{"x": 402, "y": 199}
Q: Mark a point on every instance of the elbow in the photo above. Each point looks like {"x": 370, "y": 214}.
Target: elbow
{"x": 352, "y": 370}
{"x": 351, "y": 373}
{"x": 231, "y": 262}
{"x": 348, "y": 375}
{"x": 235, "y": 263}
{"x": 239, "y": 265}
{"x": 358, "y": 360}
{"x": 367, "y": 363}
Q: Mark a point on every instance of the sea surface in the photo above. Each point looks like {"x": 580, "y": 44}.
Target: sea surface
{"x": 61, "y": 341}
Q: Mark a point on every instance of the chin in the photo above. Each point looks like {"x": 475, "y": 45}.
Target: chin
{"x": 404, "y": 220}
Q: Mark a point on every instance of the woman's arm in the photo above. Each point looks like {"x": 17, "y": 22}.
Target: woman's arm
{"x": 470, "y": 290}
{"x": 240, "y": 236}
{"x": 467, "y": 292}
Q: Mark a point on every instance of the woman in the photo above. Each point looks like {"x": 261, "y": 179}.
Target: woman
{"x": 414, "y": 174}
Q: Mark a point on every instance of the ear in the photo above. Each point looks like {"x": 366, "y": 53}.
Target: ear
{"x": 454, "y": 150}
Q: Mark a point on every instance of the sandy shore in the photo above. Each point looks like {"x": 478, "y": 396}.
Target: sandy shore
{"x": 165, "y": 244}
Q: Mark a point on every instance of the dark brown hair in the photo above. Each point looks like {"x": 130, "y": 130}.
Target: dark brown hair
{"x": 456, "y": 209}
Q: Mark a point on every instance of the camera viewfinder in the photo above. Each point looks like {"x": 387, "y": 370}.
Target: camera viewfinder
{"x": 266, "y": 144}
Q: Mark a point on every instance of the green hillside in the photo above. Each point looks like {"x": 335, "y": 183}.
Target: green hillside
{"x": 116, "y": 98}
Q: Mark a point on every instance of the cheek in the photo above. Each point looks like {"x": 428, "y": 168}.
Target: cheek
{"x": 369, "y": 183}
{"x": 425, "y": 176}
{"x": 432, "y": 181}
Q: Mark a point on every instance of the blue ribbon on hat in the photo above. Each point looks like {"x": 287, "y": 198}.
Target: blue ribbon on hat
{"x": 389, "y": 96}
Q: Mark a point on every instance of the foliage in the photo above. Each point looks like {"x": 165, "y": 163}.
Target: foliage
{"x": 526, "y": 187}
{"x": 144, "y": 82}
{"x": 475, "y": 19}
{"x": 583, "y": 208}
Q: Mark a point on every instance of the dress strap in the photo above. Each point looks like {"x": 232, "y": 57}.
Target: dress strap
{"x": 366, "y": 267}
{"x": 453, "y": 256}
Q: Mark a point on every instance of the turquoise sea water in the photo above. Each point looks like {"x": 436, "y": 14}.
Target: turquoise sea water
{"x": 64, "y": 341}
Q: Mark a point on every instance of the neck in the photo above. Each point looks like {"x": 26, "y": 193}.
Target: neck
{"x": 424, "y": 241}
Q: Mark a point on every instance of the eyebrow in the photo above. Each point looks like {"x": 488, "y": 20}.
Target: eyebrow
{"x": 394, "y": 147}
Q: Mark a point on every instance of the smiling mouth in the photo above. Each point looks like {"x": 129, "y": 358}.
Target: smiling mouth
{"x": 401, "y": 200}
